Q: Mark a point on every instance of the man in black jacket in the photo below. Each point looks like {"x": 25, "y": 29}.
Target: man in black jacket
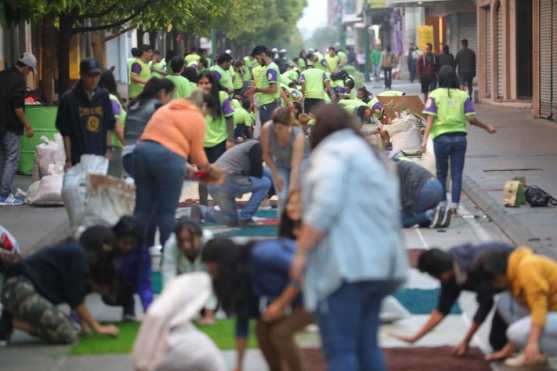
{"x": 85, "y": 118}
{"x": 244, "y": 173}
{"x": 13, "y": 123}
{"x": 466, "y": 66}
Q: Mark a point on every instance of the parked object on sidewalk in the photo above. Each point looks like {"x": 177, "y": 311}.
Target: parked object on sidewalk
{"x": 74, "y": 187}
{"x": 46, "y": 192}
{"x": 537, "y": 197}
{"x": 167, "y": 337}
{"x": 49, "y": 157}
{"x": 513, "y": 194}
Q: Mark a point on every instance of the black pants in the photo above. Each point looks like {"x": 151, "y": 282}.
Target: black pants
{"x": 498, "y": 334}
{"x": 467, "y": 79}
{"x": 388, "y": 77}
{"x": 311, "y": 103}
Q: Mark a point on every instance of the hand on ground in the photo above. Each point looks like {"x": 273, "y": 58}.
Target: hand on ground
{"x": 460, "y": 350}
{"x": 109, "y": 330}
{"x": 404, "y": 338}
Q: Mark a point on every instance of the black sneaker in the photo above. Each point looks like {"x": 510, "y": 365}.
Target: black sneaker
{"x": 437, "y": 217}
{"x": 6, "y": 328}
{"x": 446, "y": 220}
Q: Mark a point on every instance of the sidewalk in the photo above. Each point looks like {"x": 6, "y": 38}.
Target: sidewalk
{"x": 522, "y": 147}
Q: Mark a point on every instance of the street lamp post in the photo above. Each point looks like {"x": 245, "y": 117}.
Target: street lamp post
{"x": 367, "y": 51}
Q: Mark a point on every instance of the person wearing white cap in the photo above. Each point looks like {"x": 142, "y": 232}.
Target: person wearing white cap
{"x": 167, "y": 340}
{"x": 13, "y": 124}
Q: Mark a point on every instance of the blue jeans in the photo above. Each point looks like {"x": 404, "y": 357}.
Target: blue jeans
{"x": 348, "y": 320}
{"x": 266, "y": 111}
{"x": 225, "y": 195}
{"x": 159, "y": 176}
{"x": 450, "y": 147}
{"x": 430, "y": 196}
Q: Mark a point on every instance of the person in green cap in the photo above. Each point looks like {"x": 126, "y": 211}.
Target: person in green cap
{"x": 140, "y": 72}
{"x": 184, "y": 87}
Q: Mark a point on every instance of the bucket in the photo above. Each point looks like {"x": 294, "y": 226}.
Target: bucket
{"x": 42, "y": 120}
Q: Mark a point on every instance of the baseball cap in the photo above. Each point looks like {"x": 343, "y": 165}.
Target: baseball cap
{"x": 29, "y": 60}
{"x": 89, "y": 66}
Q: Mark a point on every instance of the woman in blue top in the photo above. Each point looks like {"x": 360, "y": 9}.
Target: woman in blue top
{"x": 251, "y": 282}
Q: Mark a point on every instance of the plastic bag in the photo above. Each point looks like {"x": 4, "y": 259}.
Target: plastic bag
{"x": 47, "y": 191}
{"x": 107, "y": 199}
{"x": 49, "y": 157}
{"x": 74, "y": 189}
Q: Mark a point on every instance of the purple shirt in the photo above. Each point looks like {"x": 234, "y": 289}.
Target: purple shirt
{"x": 227, "y": 107}
{"x": 272, "y": 75}
{"x": 136, "y": 68}
{"x": 115, "y": 107}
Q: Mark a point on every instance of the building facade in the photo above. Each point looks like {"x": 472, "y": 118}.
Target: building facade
{"x": 518, "y": 54}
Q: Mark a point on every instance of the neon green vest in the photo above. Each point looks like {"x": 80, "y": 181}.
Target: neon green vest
{"x": 215, "y": 127}
{"x": 121, "y": 118}
{"x": 262, "y": 82}
{"x": 192, "y": 58}
{"x": 314, "y": 83}
{"x": 225, "y": 77}
{"x": 332, "y": 63}
{"x": 237, "y": 80}
{"x": 157, "y": 68}
{"x": 183, "y": 87}
{"x": 450, "y": 116}
{"x": 135, "y": 89}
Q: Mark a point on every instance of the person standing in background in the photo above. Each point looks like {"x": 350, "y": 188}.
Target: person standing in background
{"x": 411, "y": 59}
{"x": 375, "y": 61}
{"x": 13, "y": 124}
{"x": 465, "y": 64}
{"x": 140, "y": 72}
{"x": 446, "y": 58}
{"x": 85, "y": 117}
{"x": 266, "y": 84}
{"x": 427, "y": 68}
{"x": 158, "y": 66}
{"x": 388, "y": 62}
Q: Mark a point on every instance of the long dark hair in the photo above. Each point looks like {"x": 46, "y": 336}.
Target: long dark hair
{"x": 232, "y": 283}
{"x": 493, "y": 263}
{"x": 215, "y": 106}
{"x": 108, "y": 82}
{"x": 448, "y": 78}
{"x": 152, "y": 89}
{"x": 99, "y": 244}
{"x": 287, "y": 225}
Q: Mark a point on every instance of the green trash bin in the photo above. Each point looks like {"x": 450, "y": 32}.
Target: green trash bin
{"x": 42, "y": 119}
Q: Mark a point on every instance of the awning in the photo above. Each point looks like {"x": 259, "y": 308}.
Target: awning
{"x": 395, "y": 3}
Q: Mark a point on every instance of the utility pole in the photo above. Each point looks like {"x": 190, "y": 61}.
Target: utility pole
{"x": 213, "y": 46}
{"x": 340, "y": 24}
{"x": 367, "y": 51}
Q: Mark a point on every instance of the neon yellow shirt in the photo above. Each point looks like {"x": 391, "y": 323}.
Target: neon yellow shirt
{"x": 192, "y": 58}
{"x": 314, "y": 82}
{"x": 184, "y": 87}
{"x": 225, "y": 77}
{"x": 215, "y": 127}
{"x": 135, "y": 89}
{"x": 264, "y": 80}
{"x": 450, "y": 112}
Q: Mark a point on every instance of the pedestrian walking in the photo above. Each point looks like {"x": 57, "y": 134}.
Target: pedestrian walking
{"x": 333, "y": 60}
{"x": 531, "y": 279}
{"x": 13, "y": 124}
{"x": 252, "y": 281}
{"x": 427, "y": 68}
{"x": 348, "y": 270}
{"x": 243, "y": 173}
{"x": 388, "y": 62}
{"x": 85, "y": 117}
{"x": 140, "y": 72}
{"x": 108, "y": 82}
{"x": 157, "y": 93}
{"x": 175, "y": 133}
{"x": 375, "y": 61}
{"x": 446, "y": 58}
{"x": 457, "y": 271}
{"x": 448, "y": 111}
{"x": 466, "y": 66}
{"x": 283, "y": 151}
{"x": 412, "y": 60}
{"x": 420, "y": 194}
{"x": 266, "y": 89}
{"x": 60, "y": 274}
{"x": 219, "y": 124}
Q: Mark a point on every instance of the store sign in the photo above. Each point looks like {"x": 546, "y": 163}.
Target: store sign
{"x": 424, "y": 36}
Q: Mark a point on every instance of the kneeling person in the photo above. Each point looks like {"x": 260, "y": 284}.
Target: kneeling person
{"x": 243, "y": 168}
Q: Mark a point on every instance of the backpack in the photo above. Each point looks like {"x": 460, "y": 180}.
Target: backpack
{"x": 537, "y": 197}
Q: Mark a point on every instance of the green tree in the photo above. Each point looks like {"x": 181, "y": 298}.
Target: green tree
{"x": 322, "y": 38}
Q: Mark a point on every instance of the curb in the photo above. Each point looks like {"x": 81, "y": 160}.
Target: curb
{"x": 517, "y": 232}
